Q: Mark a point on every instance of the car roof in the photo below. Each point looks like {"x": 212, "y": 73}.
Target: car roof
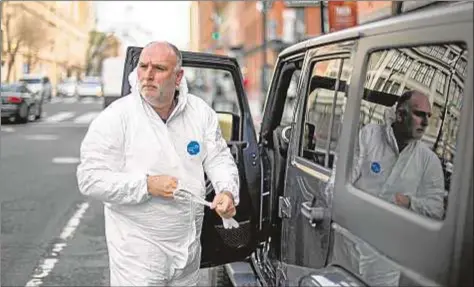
{"x": 431, "y": 16}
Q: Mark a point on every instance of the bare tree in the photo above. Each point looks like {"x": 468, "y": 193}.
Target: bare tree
{"x": 23, "y": 34}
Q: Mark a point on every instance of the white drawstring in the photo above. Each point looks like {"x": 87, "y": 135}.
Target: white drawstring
{"x": 182, "y": 194}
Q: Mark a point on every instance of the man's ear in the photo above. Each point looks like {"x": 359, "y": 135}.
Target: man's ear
{"x": 400, "y": 115}
{"x": 179, "y": 77}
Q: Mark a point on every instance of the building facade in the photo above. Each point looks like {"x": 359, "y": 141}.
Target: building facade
{"x": 56, "y": 42}
{"x": 236, "y": 28}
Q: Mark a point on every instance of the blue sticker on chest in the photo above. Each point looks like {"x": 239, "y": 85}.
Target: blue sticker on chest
{"x": 193, "y": 148}
{"x": 375, "y": 167}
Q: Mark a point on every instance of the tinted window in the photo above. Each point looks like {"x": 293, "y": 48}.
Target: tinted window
{"x": 215, "y": 87}
{"x": 31, "y": 81}
{"x": 325, "y": 104}
{"x": 409, "y": 119}
{"x": 12, "y": 88}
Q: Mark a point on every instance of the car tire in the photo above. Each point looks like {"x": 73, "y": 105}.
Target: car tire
{"x": 23, "y": 115}
{"x": 39, "y": 111}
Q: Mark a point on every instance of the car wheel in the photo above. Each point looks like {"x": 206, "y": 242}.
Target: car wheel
{"x": 39, "y": 111}
{"x": 23, "y": 114}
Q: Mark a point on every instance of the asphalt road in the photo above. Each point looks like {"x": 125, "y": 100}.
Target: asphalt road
{"x": 50, "y": 234}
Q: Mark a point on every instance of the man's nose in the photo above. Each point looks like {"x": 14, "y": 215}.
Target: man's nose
{"x": 424, "y": 121}
{"x": 149, "y": 73}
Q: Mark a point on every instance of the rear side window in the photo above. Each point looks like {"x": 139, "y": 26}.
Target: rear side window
{"x": 325, "y": 105}
{"x": 409, "y": 119}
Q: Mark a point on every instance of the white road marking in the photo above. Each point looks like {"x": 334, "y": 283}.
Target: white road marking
{"x": 61, "y": 116}
{"x": 86, "y": 118}
{"x": 41, "y": 137}
{"x": 47, "y": 264}
{"x": 88, "y": 101}
{"x": 7, "y": 129}
{"x": 69, "y": 100}
{"x": 66, "y": 160}
{"x": 55, "y": 100}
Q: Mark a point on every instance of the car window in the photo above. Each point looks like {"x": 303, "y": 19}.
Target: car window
{"x": 409, "y": 119}
{"x": 31, "y": 81}
{"x": 324, "y": 108}
{"x": 215, "y": 87}
{"x": 291, "y": 99}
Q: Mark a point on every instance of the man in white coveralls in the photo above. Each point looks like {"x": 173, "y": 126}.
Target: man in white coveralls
{"x": 136, "y": 153}
{"x": 393, "y": 163}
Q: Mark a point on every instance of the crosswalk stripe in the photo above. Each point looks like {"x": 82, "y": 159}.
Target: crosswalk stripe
{"x": 61, "y": 116}
{"x": 86, "y": 118}
{"x": 69, "y": 100}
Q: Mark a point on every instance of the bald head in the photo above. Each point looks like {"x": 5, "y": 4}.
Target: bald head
{"x": 165, "y": 46}
{"x": 413, "y": 112}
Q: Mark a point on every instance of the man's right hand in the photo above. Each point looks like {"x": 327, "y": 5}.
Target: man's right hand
{"x": 161, "y": 185}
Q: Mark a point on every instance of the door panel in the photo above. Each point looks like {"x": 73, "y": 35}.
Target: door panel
{"x": 422, "y": 250}
{"x": 221, "y": 245}
{"x": 306, "y": 232}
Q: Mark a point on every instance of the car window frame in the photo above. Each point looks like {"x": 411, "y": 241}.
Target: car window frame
{"x": 313, "y": 59}
{"x": 424, "y": 234}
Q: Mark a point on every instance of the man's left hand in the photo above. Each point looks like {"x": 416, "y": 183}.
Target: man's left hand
{"x": 402, "y": 200}
{"x": 223, "y": 203}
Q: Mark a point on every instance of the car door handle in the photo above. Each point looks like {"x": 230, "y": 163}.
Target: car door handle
{"x": 313, "y": 214}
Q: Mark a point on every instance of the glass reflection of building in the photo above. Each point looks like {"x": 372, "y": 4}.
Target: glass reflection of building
{"x": 438, "y": 71}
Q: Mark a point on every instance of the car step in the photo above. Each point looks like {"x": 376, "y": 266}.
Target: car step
{"x": 241, "y": 274}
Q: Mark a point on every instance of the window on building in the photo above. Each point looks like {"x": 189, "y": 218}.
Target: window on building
{"x": 416, "y": 67}
{"x": 421, "y": 74}
{"x": 400, "y": 62}
{"x": 406, "y": 64}
{"x": 441, "y": 82}
{"x": 324, "y": 108}
{"x": 429, "y": 76}
{"x": 378, "y": 85}
{"x": 393, "y": 58}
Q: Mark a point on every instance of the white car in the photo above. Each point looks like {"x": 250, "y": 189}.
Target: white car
{"x": 90, "y": 87}
{"x": 67, "y": 88}
{"x": 40, "y": 84}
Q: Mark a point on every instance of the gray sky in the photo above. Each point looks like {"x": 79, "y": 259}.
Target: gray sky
{"x": 165, "y": 20}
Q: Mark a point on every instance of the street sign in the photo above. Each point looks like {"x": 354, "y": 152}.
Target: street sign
{"x": 342, "y": 15}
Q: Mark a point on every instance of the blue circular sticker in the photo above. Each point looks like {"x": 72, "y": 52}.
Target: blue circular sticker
{"x": 193, "y": 148}
{"x": 375, "y": 167}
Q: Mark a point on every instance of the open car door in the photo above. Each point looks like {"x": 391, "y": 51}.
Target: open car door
{"x": 213, "y": 78}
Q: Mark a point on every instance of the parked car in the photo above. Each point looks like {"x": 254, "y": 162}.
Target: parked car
{"x": 40, "y": 84}
{"x": 90, "y": 87}
{"x": 19, "y": 103}
{"x": 67, "y": 88}
{"x": 292, "y": 232}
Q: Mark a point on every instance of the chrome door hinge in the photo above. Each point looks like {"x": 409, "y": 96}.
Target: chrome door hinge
{"x": 284, "y": 207}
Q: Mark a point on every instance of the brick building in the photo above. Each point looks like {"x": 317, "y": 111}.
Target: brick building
{"x": 235, "y": 28}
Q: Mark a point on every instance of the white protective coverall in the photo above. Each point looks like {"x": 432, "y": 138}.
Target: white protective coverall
{"x": 380, "y": 169}
{"x": 152, "y": 240}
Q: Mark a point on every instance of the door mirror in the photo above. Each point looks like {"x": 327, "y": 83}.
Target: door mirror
{"x": 229, "y": 124}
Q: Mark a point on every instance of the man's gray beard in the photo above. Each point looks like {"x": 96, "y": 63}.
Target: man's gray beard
{"x": 155, "y": 101}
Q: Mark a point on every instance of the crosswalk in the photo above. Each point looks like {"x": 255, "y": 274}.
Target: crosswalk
{"x": 69, "y": 117}
{"x": 76, "y": 100}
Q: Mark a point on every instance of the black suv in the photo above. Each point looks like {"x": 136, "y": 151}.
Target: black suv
{"x": 297, "y": 230}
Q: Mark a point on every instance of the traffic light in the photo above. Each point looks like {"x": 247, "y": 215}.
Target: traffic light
{"x": 216, "y": 35}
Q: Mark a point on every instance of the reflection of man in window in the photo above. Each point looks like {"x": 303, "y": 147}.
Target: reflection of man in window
{"x": 392, "y": 163}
